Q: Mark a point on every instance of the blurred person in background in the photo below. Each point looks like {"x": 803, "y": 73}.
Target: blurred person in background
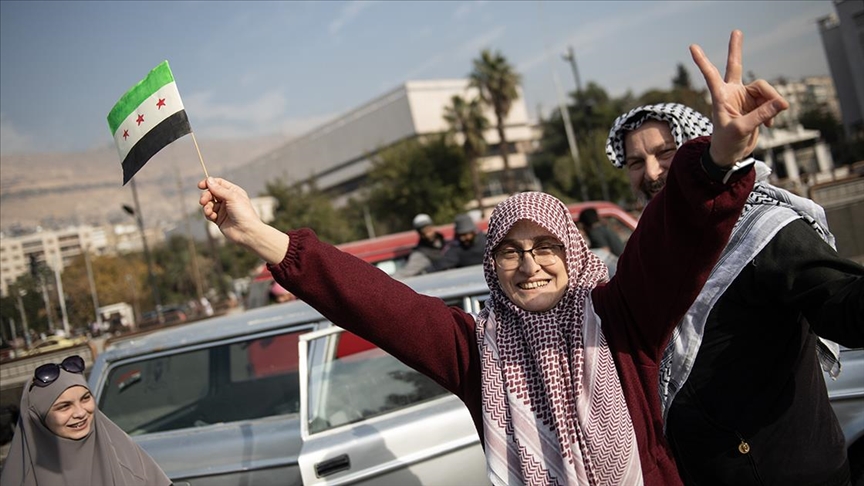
{"x": 600, "y": 235}
{"x": 278, "y": 294}
{"x": 741, "y": 384}
{"x": 467, "y": 246}
{"x": 428, "y": 250}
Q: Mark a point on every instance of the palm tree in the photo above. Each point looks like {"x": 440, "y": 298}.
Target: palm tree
{"x": 497, "y": 82}
{"x": 467, "y": 118}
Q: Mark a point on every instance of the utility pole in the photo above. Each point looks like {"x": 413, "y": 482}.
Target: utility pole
{"x": 367, "y": 218}
{"x": 565, "y": 116}
{"x": 193, "y": 253}
{"x": 47, "y": 301}
{"x": 20, "y": 293}
{"x": 92, "y": 283}
{"x": 571, "y": 58}
{"x": 136, "y": 212}
{"x": 61, "y": 296}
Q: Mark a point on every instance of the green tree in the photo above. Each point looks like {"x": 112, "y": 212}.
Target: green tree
{"x": 175, "y": 275}
{"x": 592, "y": 112}
{"x": 466, "y": 118}
{"x": 682, "y": 78}
{"x": 681, "y": 91}
{"x": 430, "y": 176}
{"x": 27, "y": 288}
{"x": 117, "y": 278}
{"x": 303, "y": 205}
{"x": 497, "y": 82}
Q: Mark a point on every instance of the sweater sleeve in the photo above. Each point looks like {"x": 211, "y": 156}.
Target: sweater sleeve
{"x": 668, "y": 258}
{"x": 664, "y": 265}
{"x": 421, "y": 331}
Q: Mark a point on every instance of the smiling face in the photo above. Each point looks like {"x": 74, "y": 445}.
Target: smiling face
{"x": 71, "y": 415}
{"x": 530, "y": 286}
{"x": 649, "y": 152}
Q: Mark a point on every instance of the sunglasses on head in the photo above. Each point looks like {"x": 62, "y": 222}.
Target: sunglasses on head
{"x": 48, "y": 373}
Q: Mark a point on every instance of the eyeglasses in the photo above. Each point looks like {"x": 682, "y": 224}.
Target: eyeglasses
{"x": 48, "y": 373}
{"x": 544, "y": 255}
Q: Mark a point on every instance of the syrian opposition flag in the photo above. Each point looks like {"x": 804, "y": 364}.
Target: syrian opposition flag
{"x": 147, "y": 118}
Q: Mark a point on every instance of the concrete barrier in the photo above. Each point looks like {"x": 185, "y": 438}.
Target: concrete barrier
{"x": 15, "y": 372}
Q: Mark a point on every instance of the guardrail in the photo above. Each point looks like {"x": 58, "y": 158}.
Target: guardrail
{"x": 15, "y": 372}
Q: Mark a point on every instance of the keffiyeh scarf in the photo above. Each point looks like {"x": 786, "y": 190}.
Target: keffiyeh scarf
{"x": 767, "y": 211}
{"x": 553, "y": 407}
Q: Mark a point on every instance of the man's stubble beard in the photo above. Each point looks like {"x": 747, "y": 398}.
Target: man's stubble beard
{"x": 649, "y": 189}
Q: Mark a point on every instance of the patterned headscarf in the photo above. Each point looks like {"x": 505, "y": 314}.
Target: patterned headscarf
{"x": 553, "y": 408}
{"x": 684, "y": 122}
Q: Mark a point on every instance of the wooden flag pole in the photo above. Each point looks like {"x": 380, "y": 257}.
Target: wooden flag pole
{"x": 199, "y": 154}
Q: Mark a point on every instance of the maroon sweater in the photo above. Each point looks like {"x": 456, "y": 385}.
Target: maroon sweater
{"x": 666, "y": 262}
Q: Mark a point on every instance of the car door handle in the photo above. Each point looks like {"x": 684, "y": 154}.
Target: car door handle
{"x": 332, "y": 466}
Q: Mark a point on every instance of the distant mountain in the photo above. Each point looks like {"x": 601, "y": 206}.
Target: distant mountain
{"x": 58, "y": 189}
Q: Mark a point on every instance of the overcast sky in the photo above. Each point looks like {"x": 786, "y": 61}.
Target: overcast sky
{"x": 255, "y": 68}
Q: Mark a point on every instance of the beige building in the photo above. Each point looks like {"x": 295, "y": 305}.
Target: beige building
{"x": 55, "y": 248}
{"x": 58, "y": 248}
{"x": 338, "y": 154}
{"x": 809, "y": 91}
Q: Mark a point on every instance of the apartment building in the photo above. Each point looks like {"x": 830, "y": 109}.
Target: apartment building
{"x": 843, "y": 40}
{"x": 54, "y": 248}
{"x": 57, "y": 248}
{"x": 803, "y": 94}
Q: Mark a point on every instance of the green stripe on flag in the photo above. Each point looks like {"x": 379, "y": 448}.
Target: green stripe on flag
{"x": 129, "y": 102}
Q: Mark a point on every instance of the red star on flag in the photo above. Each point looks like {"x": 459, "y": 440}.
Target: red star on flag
{"x": 125, "y": 134}
{"x": 160, "y": 104}
{"x": 140, "y": 119}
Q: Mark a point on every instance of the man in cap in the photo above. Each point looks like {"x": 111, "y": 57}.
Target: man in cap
{"x": 427, "y": 251}
{"x": 466, "y": 248}
{"x": 743, "y": 395}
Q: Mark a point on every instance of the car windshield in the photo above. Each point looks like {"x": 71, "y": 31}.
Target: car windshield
{"x": 236, "y": 381}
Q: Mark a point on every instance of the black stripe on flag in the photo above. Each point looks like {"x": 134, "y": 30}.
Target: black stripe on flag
{"x": 171, "y": 128}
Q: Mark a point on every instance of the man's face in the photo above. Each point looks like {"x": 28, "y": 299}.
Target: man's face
{"x": 427, "y": 232}
{"x": 649, "y": 150}
{"x": 466, "y": 239}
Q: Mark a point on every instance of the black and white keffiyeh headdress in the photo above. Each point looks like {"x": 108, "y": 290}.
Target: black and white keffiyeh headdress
{"x": 768, "y": 209}
{"x": 684, "y": 122}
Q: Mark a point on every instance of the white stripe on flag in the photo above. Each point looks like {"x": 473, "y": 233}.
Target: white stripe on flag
{"x": 153, "y": 116}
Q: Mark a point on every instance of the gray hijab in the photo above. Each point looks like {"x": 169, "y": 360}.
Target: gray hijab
{"x": 106, "y": 456}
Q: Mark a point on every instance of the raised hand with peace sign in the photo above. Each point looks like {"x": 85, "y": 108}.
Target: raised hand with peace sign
{"x": 738, "y": 109}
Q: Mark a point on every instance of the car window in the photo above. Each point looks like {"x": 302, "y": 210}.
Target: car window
{"x": 228, "y": 382}
{"x": 366, "y": 383}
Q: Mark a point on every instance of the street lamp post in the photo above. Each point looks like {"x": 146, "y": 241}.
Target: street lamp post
{"x": 136, "y": 213}
{"x": 92, "y": 283}
{"x": 61, "y": 295}
{"x": 20, "y": 293}
{"x": 570, "y": 57}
